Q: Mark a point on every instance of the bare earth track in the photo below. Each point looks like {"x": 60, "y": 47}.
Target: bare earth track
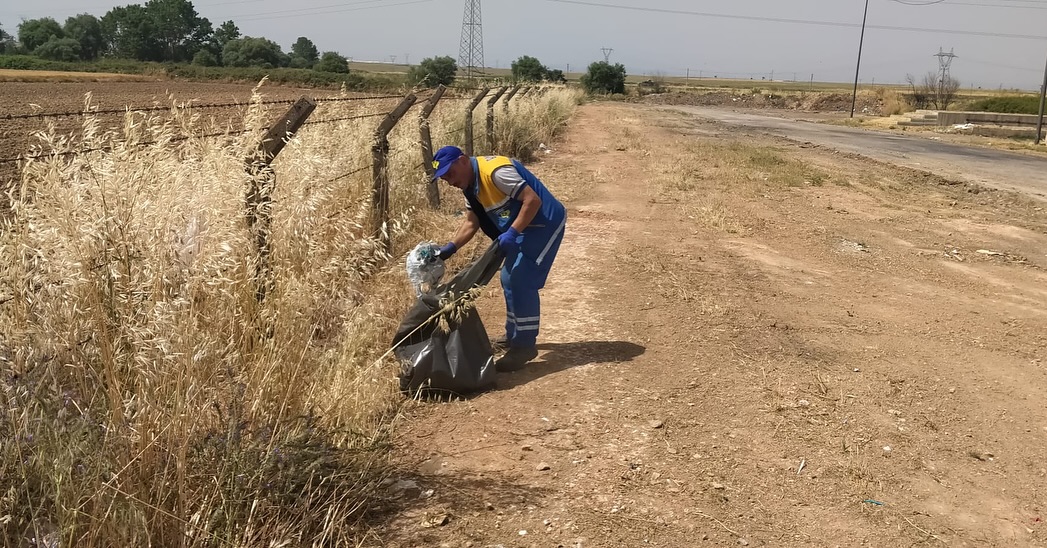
{"x": 743, "y": 361}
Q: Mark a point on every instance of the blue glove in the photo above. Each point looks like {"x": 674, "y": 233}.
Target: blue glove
{"x": 446, "y": 251}
{"x": 507, "y": 242}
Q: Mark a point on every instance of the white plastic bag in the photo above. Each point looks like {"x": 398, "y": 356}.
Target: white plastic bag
{"x": 425, "y": 268}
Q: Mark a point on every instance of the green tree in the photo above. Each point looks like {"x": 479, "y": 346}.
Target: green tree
{"x": 179, "y": 29}
{"x": 225, "y": 32}
{"x": 528, "y": 69}
{"x": 221, "y": 36}
{"x": 433, "y": 71}
{"x": 5, "y": 41}
{"x": 129, "y": 33}
{"x": 603, "y": 77}
{"x": 59, "y": 49}
{"x": 204, "y": 58}
{"x": 556, "y": 75}
{"x": 304, "y": 49}
{"x": 86, "y": 29}
{"x": 331, "y": 61}
{"x": 33, "y": 33}
{"x": 252, "y": 52}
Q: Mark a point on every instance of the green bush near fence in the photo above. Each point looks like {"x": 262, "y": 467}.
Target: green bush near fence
{"x": 1019, "y": 104}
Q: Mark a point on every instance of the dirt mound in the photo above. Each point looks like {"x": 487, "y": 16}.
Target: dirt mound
{"x": 805, "y": 101}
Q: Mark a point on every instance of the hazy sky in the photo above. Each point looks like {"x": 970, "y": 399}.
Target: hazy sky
{"x": 997, "y": 42}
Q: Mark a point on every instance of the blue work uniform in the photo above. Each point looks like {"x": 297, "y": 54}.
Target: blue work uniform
{"x": 493, "y": 197}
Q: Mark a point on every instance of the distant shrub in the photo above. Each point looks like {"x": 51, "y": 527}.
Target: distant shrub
{"x": 205, "y": 58}
{"x": 603, "y": 77}
{"x": 433, "y": 72}
{"x": 332, "y": 61}
{"x": 59, "y": 49}
{"x": 892, "y": 102}
{"x": 1021, "y": 104}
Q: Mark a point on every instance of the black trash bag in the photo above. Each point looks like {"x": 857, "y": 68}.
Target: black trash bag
{"x": 459, "y": 361}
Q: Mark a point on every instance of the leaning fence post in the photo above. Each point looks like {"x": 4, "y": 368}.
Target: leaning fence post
{"x": 512, "y": 93}
{"x": 469, "y": 120}
{"x": 490, "y": 117}
{"x": 432, "y": 190}
{"x": 263, "y": 180}
{"x": 380, "y": 161}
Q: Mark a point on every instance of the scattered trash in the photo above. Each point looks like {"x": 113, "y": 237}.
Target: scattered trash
{"x": 424, "y": 268}
{"x": 438, "y": 520}
{"x": 873, "y": 502}
{"x": 803, "y": 462}
{"x": 981, "y": 456}
{"x": 886, "y": 448}
{"x": 963, "y": 126}
{"x": 989, "y": 253}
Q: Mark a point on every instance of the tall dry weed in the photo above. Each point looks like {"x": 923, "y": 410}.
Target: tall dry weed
{"x": 150, "y": 398}
{"x": 534, "y": 119}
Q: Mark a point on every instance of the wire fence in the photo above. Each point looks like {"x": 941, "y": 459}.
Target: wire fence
{"x": 413, "y": 153}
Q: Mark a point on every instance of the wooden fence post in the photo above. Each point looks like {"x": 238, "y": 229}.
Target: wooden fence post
{"x": 469, "y": 120}
{"x": 380, "y": 159}
{"x": 432, "y": 190}
{"x": 490, "y": 118}
{"x": 512, "y": 93}
{"x": 263, "y": 180}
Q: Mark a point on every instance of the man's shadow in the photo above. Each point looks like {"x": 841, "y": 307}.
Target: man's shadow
{"x": 562, "y": 356}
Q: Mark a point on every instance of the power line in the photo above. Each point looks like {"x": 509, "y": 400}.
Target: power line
{"x": 307, "y": 11}
{"x": 802, "y": 21}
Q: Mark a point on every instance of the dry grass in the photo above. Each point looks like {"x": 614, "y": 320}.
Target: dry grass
{"x": 150, "y": 399}
{"x": 14, "y": 75}
{"x": 703, "y": 174}
{"x": 533, "y": 120}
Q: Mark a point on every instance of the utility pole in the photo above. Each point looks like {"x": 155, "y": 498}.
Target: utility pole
{"x": 944, "y": 62}
{"x": 1043, "y": 94}
{"x": 858, "y": 66}
{"x": 607, "y": 54}
{"x": 471, "y": 49}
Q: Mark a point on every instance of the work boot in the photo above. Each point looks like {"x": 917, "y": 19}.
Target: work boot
{"x": 515, "y": 358}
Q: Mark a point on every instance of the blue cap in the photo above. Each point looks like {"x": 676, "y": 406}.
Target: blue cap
{"x": 443, "y": 159}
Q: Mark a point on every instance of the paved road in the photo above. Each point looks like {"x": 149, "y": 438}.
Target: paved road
{"x": 994, "y": 168}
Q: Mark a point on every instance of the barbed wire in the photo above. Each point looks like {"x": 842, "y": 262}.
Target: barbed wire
{"x": 187, "y": 106}
{"x": 365, "y": 98}
{"x": 109, "y": 148}
{"x": 346, "y": 118}
{"x": 420, "y": 165}
{"x": 126, "y": 109}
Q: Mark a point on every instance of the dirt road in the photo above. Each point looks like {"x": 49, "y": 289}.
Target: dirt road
{"x": 750, "y": 343}
{"x": 999, "y": 169}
